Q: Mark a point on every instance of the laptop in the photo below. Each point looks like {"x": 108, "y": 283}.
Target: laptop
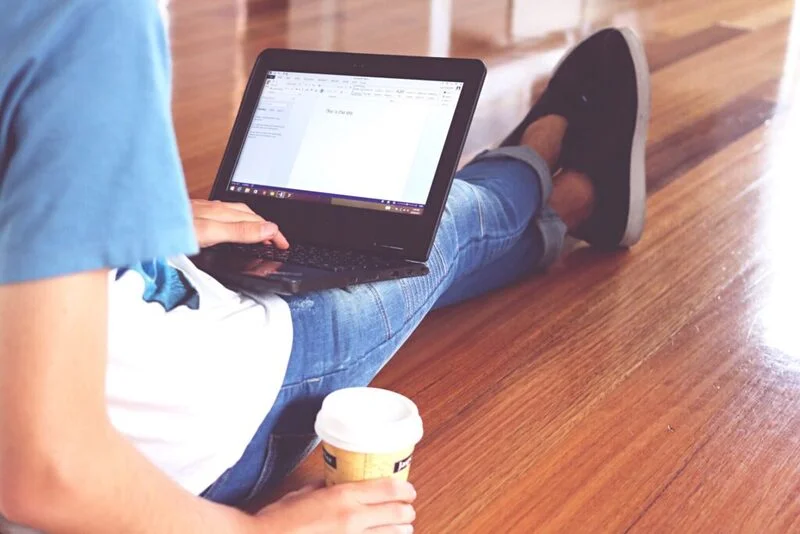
{"x": 353, "y": 156}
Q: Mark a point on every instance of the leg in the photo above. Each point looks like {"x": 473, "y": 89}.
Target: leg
{"x": 343, "y": 337}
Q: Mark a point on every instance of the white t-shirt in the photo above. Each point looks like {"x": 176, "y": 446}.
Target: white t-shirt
{"x": 190, "y": 387}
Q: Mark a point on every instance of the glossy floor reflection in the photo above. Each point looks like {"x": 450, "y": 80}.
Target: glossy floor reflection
{"x": 650, "y": 391}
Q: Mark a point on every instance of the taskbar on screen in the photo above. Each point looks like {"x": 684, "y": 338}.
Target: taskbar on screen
{"x": 324, "y": 198}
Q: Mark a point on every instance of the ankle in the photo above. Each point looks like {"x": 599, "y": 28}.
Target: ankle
{"x": 573, "y": 198}
{"x": 545, "y": 137}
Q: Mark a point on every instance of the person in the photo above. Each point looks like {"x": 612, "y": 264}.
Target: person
{"x": 137, "y": 394}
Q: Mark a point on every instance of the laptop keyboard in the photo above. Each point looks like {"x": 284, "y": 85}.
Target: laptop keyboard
{"x": 336, "y": 260}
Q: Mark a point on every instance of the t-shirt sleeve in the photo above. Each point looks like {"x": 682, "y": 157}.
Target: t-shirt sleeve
{"x": 91, "y": 176}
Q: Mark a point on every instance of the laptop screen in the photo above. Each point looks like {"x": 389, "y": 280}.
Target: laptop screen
{"x": 363, "y": 142}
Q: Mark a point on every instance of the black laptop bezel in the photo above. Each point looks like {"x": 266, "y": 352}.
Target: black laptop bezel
{"x": 401, "y": 235}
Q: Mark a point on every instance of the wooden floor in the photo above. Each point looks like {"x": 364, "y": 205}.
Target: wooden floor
{"x": 650, "y": 391}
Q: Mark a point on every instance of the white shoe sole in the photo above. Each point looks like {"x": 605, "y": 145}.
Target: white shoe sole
{"x": 637, "y": 206}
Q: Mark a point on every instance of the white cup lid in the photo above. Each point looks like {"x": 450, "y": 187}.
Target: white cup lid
{"x": 369, "y": 420}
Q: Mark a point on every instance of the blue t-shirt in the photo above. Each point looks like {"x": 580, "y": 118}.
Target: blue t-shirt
{"x": 90, "y": 179}
{"x": 90, "y": 176}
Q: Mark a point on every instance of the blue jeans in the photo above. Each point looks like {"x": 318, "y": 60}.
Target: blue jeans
{"x": 496, "y": 229}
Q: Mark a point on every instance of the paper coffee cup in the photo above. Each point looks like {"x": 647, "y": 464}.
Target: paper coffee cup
{"x": 367, "y": 433}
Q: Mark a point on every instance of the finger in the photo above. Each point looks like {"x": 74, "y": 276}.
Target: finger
{"x": 391, "y": 529}
{"x": 199, "y": 204}
{"x": 279, "y": 240}
{"x": 222, "y": 212}
{"x": 387, "y": 515}
{"x": 239, "y": 206}
{"x": 273, "y": 235}
{"x": 213, "y": 232}
{"x": 379, "y": 491}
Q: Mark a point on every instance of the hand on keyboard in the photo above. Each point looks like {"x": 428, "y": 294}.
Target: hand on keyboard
{"x": 227, "y": 222}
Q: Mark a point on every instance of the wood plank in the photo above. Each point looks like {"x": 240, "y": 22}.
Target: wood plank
{"x": 706, "y": 82}
{"x": 680, "y": 17}
{"x": 664, "y": 52}
{"x": 670, "y": 158}
{"x": 768, "y": 14}
{"x": 754, "y": 486}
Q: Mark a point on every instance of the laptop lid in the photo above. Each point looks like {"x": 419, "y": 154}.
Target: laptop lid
{"x": 351, "y": 150}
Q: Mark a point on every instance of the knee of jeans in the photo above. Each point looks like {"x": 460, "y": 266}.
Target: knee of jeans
{"x": 458, "y": 198}
{"x": 464, "y": 205}
{"x": 484, "y": 211}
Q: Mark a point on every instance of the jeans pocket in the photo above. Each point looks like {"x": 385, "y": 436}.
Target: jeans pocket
{"x": 285, "y": 452}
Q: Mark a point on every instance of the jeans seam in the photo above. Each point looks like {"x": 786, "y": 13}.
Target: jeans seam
{"x": 311, "y": 379}
{"x": 265, "y": 469}
{"x": 385, "y": 315}
{"x": 439, "y": 256}
{"x": 551, "y": 230}
{"x": 406, "y": 298}
{"x": 480, "y": 210}
{"x": 438, "y": 252}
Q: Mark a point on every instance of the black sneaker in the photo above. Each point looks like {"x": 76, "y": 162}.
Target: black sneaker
{"x": 571, "y": 87}
{"x": 608, "y": 141}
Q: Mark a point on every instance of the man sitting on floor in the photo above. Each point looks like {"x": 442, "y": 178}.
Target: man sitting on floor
{"x": 138, "y": 394}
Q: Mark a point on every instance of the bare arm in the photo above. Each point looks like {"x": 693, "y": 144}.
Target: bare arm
{"x": 63, "y": 467}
